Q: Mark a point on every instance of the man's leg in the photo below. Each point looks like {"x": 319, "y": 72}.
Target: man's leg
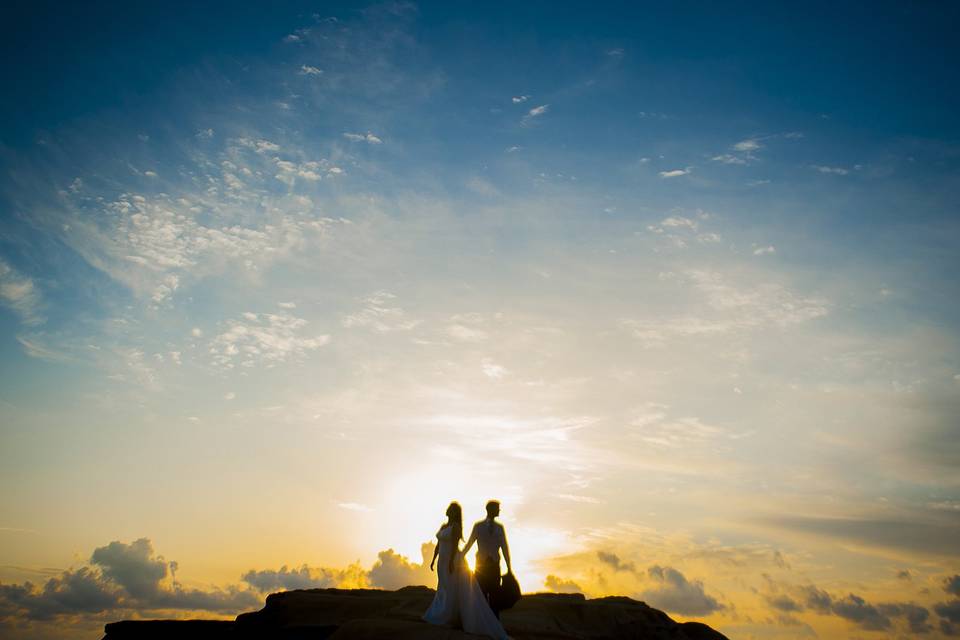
{"x": 488, "y": 579}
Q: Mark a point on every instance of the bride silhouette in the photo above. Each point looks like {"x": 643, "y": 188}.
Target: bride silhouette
{"x": 459, "y": 601}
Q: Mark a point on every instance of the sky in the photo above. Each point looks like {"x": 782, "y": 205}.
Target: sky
{"x": 676, "y": 283}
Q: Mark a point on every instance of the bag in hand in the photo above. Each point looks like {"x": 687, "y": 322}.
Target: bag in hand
{"x": 508, "y": 594}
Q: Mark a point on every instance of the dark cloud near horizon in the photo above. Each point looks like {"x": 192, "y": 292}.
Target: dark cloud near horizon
{"x": 132, "y": 577}
{"x": 941, "y": 537}
{"x": 390, "y": 571}
{"x": 559, "y": 585}
{"x": 677, "y": 594}
{"x": 83, "y": 591}
{"x": 851, "y": 607}
{"x": 285, "y": 579}
{"x": 120, "y": 577}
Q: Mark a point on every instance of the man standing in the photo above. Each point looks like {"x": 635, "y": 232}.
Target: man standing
{"x": 491, "y": 539}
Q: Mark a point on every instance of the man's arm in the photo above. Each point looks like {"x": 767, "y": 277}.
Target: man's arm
{"x": 506, "y": 549}
{"x": 471, "y": 540}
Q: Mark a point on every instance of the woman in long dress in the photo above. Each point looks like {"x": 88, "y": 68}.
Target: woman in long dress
{"x": 459, "y": 601}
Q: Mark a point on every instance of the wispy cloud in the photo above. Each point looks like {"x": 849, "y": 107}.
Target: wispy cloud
{"x": 837, "y": 171}
{"x": 363, "y": 137}
{"x": 378, "y": 315}
{"x": 263, "y": 339}
{"x": 534, "y": 113}
{"x": 676, "y": 173}
{"x": 354, "y": 506}
{"x": 20, "y": 294}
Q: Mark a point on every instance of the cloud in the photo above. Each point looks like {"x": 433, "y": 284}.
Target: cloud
{"x": 392, "y": 570}
{"x": 354, "y": 506}
{"x": 155, "y": 244}
{"x": 851, "y": 607}
{"x": 132, "y": 566}
{"x": 308, "y": 70}
{"x": 676, "y": 173}
{"x": 570, "y": 497}
{"x": 657, "y": 431}
{"x": 952, "y": 585}
{"x": 559, "y": 585}
{"x": 482, "y": 186}
{"x": 679, "y": 230}
{"x": 614, "y": 562}
{"x": 912, "y": 535}
{"x": 534, "y": 113}
{"x": 679, "y": 221}
{"x": 34, "y": 347}
{"x": 83, "y": 591}
{"x": 859, "y": 611}
{"x": 678, "y": 595}
{"x": 466, "y": 334}
{"x": 124, "y": 577}
{"x": 727, "y": 158}
{"x": 763, "y": 251}
{"x": 751, "y": 144}
{"x": 121, "y": 577}
{"x": 727, "y": 308}
{"x": 784, "y": 603}
{"x": 304, "y": 577}
{"x": 378, "y": 316}
{"x": 916, "y": 617}
{"x": 492, "y": 370}
{"x": 20, "y": 294}
{"x": 740, "y": 153}
{"x": 519, "y": 99}
{"x": 263, "y": 339}
{"x": 837, "y": 171}
{"x": 363, "y": 137}
{"x": 949, "y": 611}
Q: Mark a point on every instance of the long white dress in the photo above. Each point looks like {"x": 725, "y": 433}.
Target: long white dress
{"x": 459, "y": 601}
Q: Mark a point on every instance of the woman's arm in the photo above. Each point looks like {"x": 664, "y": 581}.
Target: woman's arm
{"x": 471, "y": 540}
{"x": 436, "y": 552}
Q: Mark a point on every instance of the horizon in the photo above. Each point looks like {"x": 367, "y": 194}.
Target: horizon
{"x": 677, "y": 285}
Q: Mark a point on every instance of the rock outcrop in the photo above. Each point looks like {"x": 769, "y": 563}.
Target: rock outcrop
{"x": 365, "y": 614}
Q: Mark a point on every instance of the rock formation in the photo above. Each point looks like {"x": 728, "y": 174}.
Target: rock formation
{"x": 362, "y": 614}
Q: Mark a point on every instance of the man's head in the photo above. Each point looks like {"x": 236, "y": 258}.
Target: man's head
{"x": 493, "y": 509}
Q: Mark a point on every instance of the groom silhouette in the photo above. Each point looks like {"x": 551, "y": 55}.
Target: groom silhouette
{"x": 491, "y": 539}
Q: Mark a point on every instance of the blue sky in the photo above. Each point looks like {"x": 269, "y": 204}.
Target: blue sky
{"x": 677, "y": 283}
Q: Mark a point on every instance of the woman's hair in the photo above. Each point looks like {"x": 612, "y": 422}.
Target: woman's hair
{"x": 455, "y": 517}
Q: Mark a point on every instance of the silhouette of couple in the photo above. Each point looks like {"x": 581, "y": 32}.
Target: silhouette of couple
{"x": 463, "y": 600}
